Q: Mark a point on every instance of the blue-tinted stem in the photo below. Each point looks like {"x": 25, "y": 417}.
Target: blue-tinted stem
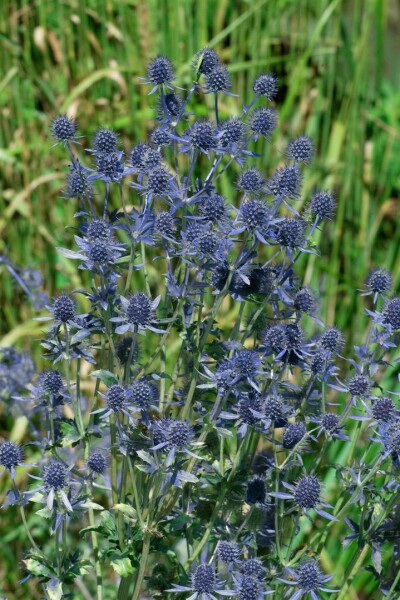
{"x": 106, "y": 197}
{"x": 216, "y": 109}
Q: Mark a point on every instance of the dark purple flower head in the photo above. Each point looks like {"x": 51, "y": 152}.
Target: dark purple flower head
{"x": 245, "y": 408}
{"x": 165, "y": 224}
{"x": 139, "y": 310}
{"x": 142, "y": 394}
{"x": 319, "y": 362}
{"x": 250, "y": 181}
{"x": 305, "y": 301}
{"x": 160, "y": 137}
{"x": 308, "y": 492}
{"x": 109, "y": 165}
{"x": 179, "y": 434}
{"x": 204, "y": 579}
{"x": 99, "y": 254}
{"x": 309, "y": 575}
{"x": 64, "y": 128}
{"x": 218, "y": 79}
{"x": 253, "y": 568}
{"x": 286, "y": 182}
{"x": 64, "y": 308}
{"x": 275, "y": 339}
{"x": 383, "y": 409}
{"x": 309, "y": 578}
{"x": 105, "y": 140}
{"x": 391, "y": 313}
{"x": 330, "y": 422}
{"x": 232, "y": 131}
{"x": 256, "y": 491}
{"x": 266, "y": 85}
{"x": 160, "y": 70}
{"x": 301, "y": 149}
{"x": 263, "y": 121}
{"x": 97, "y": 463}
{"x": 205, "y": 61}
{"x": 202, "y": 135}
{"x": 246, "y": 362}
{"x": 158, "y": 181}
{"x": 359, "y": 385}
{"x": 78, "y": 184}
{"x": 291, "y": 233}
{"x": 137, "y": 155}
{"x": 249, "y": 588}
{"x": 55, "y": 475}
{"x": 224, "y": 376}
{"x": 293, "y": 434}
{"x": 294, "y": 335}
{"x": 212, "y": 208}
{"x": 127, "y": 349}
{"x": 208, "y": 242}
{"x": 192, "y": 232}
{"x": 151, "y": 159}
{"x": 10, "y": 455}
{"x": 322, "y": 205}
{"x": 99, "y": 231}
{"x": 52, "y": 381}
{"x": 228, "y": 552}
{"x": 116, "y": 397}
{"x": 379, "y": 281}
{"x": 332, "y": 339}
{"x": 172, "y": 105}
{"x": 273, "y": 407}
{"x": 255, "y": 212}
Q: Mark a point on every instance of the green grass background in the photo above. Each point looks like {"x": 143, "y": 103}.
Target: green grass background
{"x": 339, "y": 71}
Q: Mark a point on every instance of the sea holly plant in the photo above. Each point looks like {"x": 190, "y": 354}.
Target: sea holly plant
{"x": 178, "y": 451}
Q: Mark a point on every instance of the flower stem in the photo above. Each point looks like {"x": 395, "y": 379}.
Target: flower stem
{"x": 142, "y": 567}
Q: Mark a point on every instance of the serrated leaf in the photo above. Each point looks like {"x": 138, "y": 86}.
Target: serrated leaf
{"x": 54, "y": 589}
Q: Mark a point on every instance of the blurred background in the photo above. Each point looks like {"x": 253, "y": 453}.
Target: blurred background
{"x": 339, "y": 71}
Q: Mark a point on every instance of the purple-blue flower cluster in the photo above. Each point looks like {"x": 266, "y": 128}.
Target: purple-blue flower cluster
{"x": 193, "y": 396}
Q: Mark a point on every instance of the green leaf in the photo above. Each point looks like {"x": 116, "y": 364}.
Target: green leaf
{"x": 37, "y": 568}
{"x": 70, "y": 434}
{"x": 225, "y": 433}
{"x": 106, "y": 377}
{"x": 127, "y": 510}
{"x": 145, "y": 456}
{"x": 45, "y": 512}
{"x": 189, "y": 477}
{"x": 106, "y": 527}
{"x": 54, "y": 589}
{"x": 89, "y": 504}
{"x": 122, "y": 566}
